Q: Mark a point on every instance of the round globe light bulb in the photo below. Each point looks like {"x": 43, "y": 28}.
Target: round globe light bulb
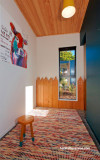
{"x": 68, "y": 11}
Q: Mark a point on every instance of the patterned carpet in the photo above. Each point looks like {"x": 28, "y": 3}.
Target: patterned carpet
{"x": 59, "y": 135}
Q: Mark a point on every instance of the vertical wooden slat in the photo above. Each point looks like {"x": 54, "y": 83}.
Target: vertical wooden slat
{"x": 50, "y": 92}
{"x": 45, "y": 92}
{"x": 41, "y": 92}
{"x": 85, "y": 94}
{"x": 81, "y": 93}
{"x": 55, "y": 93}
{"x": 36, "y": 5}
{"x": 54, "y": 16}
{"x": 37, "y": 91}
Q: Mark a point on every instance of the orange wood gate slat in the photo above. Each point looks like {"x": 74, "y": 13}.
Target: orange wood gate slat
{"x": 45, "y": 92}
{"x": 55, "y": 93}
{"x": 50, "y": 92}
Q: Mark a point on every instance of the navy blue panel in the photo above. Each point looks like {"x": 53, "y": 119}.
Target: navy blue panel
{"x": 91, "y": 27}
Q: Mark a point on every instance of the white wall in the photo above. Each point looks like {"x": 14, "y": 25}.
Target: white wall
{"x": 48, "y": 54}
{"x": 14, "y": 79}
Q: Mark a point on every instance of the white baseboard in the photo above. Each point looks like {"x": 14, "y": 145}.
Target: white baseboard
{"x": 2, "y": 134}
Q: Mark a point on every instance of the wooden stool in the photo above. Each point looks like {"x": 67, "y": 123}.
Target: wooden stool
{"x": 24, "y": 120}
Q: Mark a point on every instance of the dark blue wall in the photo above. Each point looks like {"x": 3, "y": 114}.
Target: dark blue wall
{"x": 90, "y": 33}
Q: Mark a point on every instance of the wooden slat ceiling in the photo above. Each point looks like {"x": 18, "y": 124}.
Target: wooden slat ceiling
{"x": 44, "y": 16}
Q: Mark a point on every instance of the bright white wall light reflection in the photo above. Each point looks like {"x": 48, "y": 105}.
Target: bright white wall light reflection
{"x": 28, "y": 99}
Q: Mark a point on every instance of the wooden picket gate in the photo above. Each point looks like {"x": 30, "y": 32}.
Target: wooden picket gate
{"x": 47, "y": 94}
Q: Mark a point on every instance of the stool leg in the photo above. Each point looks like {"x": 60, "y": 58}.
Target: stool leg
{"x": 32, "y": 134}
{"x": 24, "y": 130}
{"x": 21, "y": 137}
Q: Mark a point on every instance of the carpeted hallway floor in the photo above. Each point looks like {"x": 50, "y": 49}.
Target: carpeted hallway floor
{"x": 59, "y": 135}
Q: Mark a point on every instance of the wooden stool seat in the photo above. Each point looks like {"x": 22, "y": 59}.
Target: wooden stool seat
{"x": 24, "y": 120}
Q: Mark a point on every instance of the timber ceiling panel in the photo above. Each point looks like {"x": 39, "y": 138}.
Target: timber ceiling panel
{"x": 44, "y": 16}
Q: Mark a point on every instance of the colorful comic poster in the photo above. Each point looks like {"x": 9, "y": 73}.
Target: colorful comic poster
{"x": 12, "y": 43}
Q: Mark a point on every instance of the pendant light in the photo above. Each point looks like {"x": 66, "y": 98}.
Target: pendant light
{"x": 68, "y": 8}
